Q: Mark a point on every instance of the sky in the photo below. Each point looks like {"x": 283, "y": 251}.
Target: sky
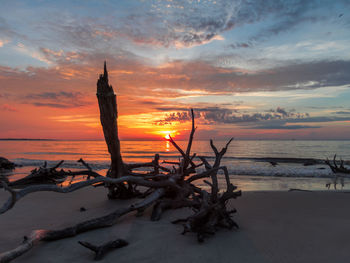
{"x": 250, "y": 69}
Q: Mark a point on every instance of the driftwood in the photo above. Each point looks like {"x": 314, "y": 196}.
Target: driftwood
{"x": 107, "y": 102}
{"x": 16, "y": 195}
{"x": 101, "y": 251}
{"x": 5, "y": 164}
{"x": 339, "y": 171}
{"x": 166, "y": 191}
{"x": 100, "y": 222}
{"x": 298, "y": 190}
{"x": 337, "y": 168}
{"x": 163, "y": 189}
{"x": 50, "y": 175}
{"x": 43, "y": 174}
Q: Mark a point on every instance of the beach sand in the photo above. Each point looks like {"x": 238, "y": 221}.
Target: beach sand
{"x": 274, "y": 227}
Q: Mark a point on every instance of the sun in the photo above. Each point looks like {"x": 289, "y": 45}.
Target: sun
{"x": 167, "y": 134}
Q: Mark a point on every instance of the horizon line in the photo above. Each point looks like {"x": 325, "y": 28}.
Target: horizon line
{"x": 222, "y": 139}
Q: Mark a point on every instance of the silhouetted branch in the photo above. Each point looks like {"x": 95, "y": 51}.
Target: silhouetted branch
{"x": 339, "y": 172}
{"x": 335, "y": 168}
{"x": 16, "y": 195}
{"x": 45, "y": 175}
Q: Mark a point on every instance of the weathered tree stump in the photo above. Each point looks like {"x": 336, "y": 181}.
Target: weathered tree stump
{"x": 107, "y": 102}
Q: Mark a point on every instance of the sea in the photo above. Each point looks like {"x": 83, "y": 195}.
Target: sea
{"x": 254, "y": 165}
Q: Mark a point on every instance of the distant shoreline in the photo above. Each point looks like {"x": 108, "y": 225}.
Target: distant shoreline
{"x": 26, "y": 139}
{"x": 236, "y": 139}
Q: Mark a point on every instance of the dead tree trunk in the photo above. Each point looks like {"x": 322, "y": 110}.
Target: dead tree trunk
{"x": 107, "y": 102}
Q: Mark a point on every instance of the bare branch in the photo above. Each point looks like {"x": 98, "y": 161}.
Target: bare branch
{"x": 180, "y": 150}
{"x": 57, "y": 165}
{"x": 85, "y": 164}
{"x": 214, "y": 148}
{"x": 206, "y": 164}
{"x": 17, "y": 195}
{"x": 337, "y": 169}
{"x": 204, "y": 174}
{"x": 189, "y": 145}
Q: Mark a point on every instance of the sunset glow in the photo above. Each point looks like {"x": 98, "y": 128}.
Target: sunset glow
{"x": 167, "y": 134}
{"x": 263, "y": 74}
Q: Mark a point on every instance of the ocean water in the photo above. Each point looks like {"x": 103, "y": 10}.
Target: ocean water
{"x": 248, "y": 161}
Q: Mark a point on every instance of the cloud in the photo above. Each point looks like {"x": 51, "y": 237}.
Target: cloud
{"x": 287, "y": 15}
{"x": 284, "y": 113}
{"x": 60, "y": 99}
{"x": 306, "y": 75}
{"x": 55, "y": 95}
{"x": 217, "y": 115}
{"x": 240, "y": 45}
{"x": 6, "y": 31}
{"x": 140, "y": 29}
{"x": 342, "y": 112}
{"x": 288, "y": 123}
{"x": 191, "y": 23}
{"x": 226, "y": 116}
{"x": 179, "y": 24}
{"x": 134, "y": 78}
{"x": 289, "y": 19}
{"x": 282, "y": 127}
{"x": 201, "y": 76}
{"x": 274, "y": 119}
{"x": 79, "y": 32}
{"x": 60, "y": 55}
{"x": 319, "y": 119}
{"x": 54, "y": 105}
{"x": 174, "y": 117}
{"x": 82, "y": 43}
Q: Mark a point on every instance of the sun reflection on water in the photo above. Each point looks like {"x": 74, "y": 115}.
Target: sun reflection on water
{"x": 167, "y": 146}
